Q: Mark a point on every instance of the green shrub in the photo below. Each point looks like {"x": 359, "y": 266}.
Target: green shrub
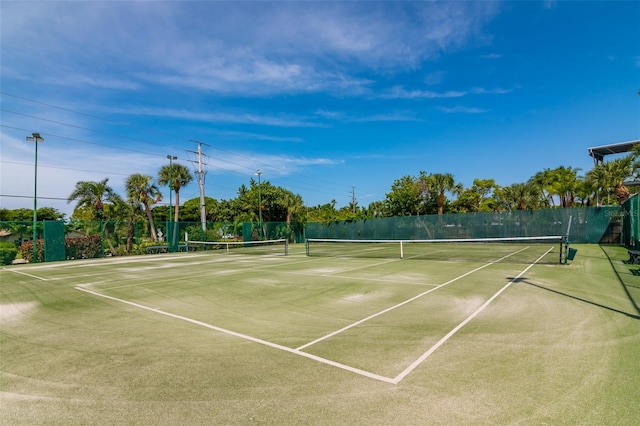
{"x": 8, "y": 252}
{"x": 27, "y": 251}
{"x": 196, "y": 233}
{"x": 89, "y": 247}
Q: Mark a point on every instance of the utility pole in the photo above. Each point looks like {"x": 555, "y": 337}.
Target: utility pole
{"x": 353, "y": 198}
{"x": 259, "y": 173}
{"x": 201, "y": 173}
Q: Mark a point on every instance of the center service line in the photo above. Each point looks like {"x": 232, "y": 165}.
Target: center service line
{"x": 419, "y": 361}
{"x": 246, "y": 337}
{"x": 320, "y": 339}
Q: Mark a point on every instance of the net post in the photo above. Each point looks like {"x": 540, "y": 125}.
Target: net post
{"x": 401, "y": 250}
{"x": 566, "y": 243}
{"x": 286, "y": 247}
{"x": 306, "y": 246}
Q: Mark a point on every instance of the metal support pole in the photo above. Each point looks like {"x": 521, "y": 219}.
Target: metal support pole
{"x": 259, "y": 173}
{"x": 35, "y": 137}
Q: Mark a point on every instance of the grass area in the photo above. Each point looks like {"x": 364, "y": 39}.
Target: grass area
{"x": 213, "y": 338}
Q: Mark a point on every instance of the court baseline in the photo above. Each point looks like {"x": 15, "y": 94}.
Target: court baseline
{"x": 298, "y": 351}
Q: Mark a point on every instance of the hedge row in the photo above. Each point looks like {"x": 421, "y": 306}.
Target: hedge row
{"x": 8, "y": 252}
{"x": 75, "y": 248}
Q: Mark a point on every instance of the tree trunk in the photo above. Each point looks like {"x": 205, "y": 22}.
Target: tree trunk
{"x": 441, "y": 204}
{"x": 175, "y": 217}
{"x": 130, "y": 229}
{"x": 152, "y": 228}
{"x": 108, "y": 237}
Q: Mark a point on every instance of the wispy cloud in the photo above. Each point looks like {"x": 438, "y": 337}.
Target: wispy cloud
{"x": 218, "y": 117}
{"x": 305, "y": 47}
{"x": 391, "y": 116}
{"x": 494, "y": 91}
{"x": 434, "y": 78}
{"x": 463, "y": 110}
{"x": 399, "y": 92}
{"x": 258, "y": 136}
{"x": 363, "y": 118}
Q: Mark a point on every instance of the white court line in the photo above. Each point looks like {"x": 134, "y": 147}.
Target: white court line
{"x": 320, "y": 339}
{"x": 327, "y": 274}
{"x": 244, "y": 336}
{"x": 24, "y": 273}
{"x": 361, "y": 372}
{"x": 424, "y": 356}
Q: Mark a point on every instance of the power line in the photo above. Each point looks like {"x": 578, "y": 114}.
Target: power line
{"x": 85, "y": 141}
{"x": 31, "y": 197}
{"x": 308, "y": 185}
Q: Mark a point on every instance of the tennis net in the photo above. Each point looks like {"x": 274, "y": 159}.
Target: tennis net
{"x": 268, "y": 247}
{"x": 548, "y": 249}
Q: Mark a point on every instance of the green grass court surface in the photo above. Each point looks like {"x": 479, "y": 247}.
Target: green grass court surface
{"x": 233, "y": 338}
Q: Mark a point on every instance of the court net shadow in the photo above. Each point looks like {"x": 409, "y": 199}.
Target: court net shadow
{"x": 625, "y": 280}
{"x": 580, "y": 299}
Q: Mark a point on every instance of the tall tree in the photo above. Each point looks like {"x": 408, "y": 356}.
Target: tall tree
{"x": 546, "y": 180}
{"x": 407, "y": 196}
{"x": 621, "y": 169}
{"x": 565, "y": 185}
{"x": 295, "y": 206}
{"x": 521, "y": 196}
{"x": 95, "y": 195}
{"x": 608, "y": 178}
{"x": 142, "y": 191}
{"x": 477, "y": 198}
{"x": 441, "y": 183}
{"x": 176, "y": 176}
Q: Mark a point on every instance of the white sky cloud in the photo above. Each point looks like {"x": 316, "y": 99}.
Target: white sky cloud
{"x": 311, "y": 82}
{"x": 301, "y": 47}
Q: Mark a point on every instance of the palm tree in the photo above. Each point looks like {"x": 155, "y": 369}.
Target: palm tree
{"x": 142, "y": 191}
{"x": 621, "y": 169}
{"x": 598, "y": 179}
{"x": 442, "y": 183}
{"x": 546, "y": 180}
{"x": 521, "y": 196}
{"x": 295, "y": 206}
{"x": 95, "y": 195}
{"x": 565, "y": 185}
{"x": 176, "y": 176}
{"x": 609, "y": 177}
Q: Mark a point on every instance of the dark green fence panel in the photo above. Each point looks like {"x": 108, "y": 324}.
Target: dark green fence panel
{"x": 588, "y": 225}
{"x": 631, "y": 222}
{"x": 54, "y": 241}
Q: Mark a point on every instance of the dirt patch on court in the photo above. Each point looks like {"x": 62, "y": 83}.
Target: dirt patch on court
{"x": 15, "y": 311}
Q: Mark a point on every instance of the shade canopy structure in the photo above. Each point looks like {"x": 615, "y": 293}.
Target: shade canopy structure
{"x": 599, "y": 152}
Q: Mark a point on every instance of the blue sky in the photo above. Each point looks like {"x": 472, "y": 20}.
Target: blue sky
{"x": 323, "y": 97}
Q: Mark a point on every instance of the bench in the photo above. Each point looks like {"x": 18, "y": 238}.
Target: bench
{"x": 634, "y": 257}
{"x": 157, "y": 249}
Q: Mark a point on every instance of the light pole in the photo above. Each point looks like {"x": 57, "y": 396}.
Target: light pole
{"x": 259, "y": 173}
{"x": 35, "y": 137}
{"x": 171, "y": 158}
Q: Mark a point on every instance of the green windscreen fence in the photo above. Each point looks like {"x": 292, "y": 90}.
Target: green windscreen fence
{"x": 54, "y": 241}
{"x": 631, "y": 222}
{"x": 588, "y": 225}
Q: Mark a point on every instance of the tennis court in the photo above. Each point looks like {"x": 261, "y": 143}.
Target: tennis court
{"x": 223, "y": 337}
